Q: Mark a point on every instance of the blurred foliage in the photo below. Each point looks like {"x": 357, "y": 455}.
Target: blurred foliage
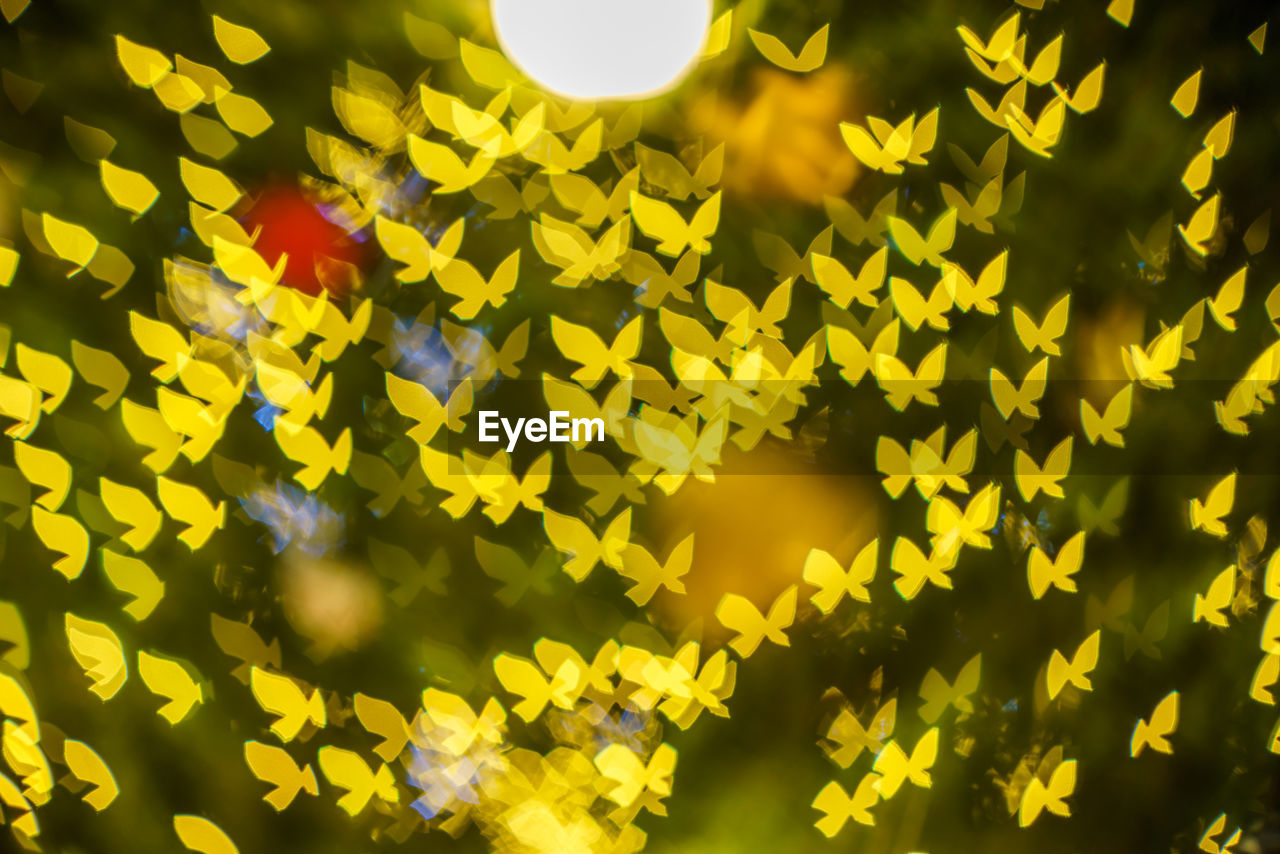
{"x": 353, "y": 599}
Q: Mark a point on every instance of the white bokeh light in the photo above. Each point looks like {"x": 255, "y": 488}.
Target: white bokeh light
{"x": 601, "y": 49}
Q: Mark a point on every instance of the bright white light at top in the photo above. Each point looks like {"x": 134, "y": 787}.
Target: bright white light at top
{"x": 598, "y": 49}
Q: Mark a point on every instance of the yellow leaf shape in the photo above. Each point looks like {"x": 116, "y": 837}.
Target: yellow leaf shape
{"x": 1114, "y": 418}
{"x": 572, "y": 536}
{"x": 244, "y": 266}
{"x": 1208, "y": 607}
{"x": 200, "y": 834}
{"x": 112, "y": 266}
{"x": 901, "y": 385}
{"x": 206, "y": 77}
{"x": 461, "y": 279}
{"x": 938, "y": 694}
{"x": 1088, "y": 94}
{"x": 740, "y": 615}
{"x": 1164, "y": 720}
{"x": 1076, "y": 671}
{"x": 855, "y": 359}
{"x": 666, "y": 171}
{"x": 87, "y": 766}
{"x": 148, "y": 428}
{"x": 1001, "y": 44}
{"x": 407, "y": 245}
{"x": 188, "y": 504}
{"x": 208, "y": 186}
{"x": 1257, "y": 38}
{"x": 239, "y": 640}
{"x": 273, "y": 765}
{"x": 823, "y": 571}
{"x": 1218, "y": 139}
{"x": 145, "y": 66}
{"x": 915, "y": 568}
{"x": 96, "y": 648}
{"x": 20, "y": 401}
{"x": 133, "y": 576}
{"x": 1043, "y": 133}
{"x": 916, "y": 248}
{"x": 16, "y": 705}
{"x": 895, "y": 767}
{"x": 1042, "y": 572}
{"x": 207, "y": 136}
{"x": 11, "y": 9}
{"x": 130, "y": 190}
{"x": 207, "y": 224}
{"x": 307, "y": 446}
{"x": 241, "y": 113}
{"x": 240, "y": 44}
{"x": 383, "y": 720}
{"x": 1207, "y": 515}
{"x": 369, "y": 118}
{"x": 132, "y": 507}
{"x": 1032, "y": 478}
{"x": 280, "y": 695}
{"x": 170, "y": 680}
{"x": 842, "y": 287}
{"x": 648, "y": 575}
{"x": 952, "y": 527}
{"x": 90, "y": 144}
{"x": 1120, "y": 11}
{"x": 1045, "y": 335}
{"x": 1039, "y": 796}
{"x": 44, "y": 468}
{"x": 346, "y": 770}
{"x": 1198, "y": 172}
{"x": 1263, "y": 678}
{"x": 487, "y": 67}
{"x": 735, "y": 308}
{"x": 178, "y": 92}
{"x": 621, "y": 765}
{"x": 718, "y": 36}
{"x": 850, "y": 737}
{"x": 70, "y": 242}
{"x": 101, "y": 369}
{"x": 1188, "y": 93}
{"x": 838, "y": 806}
{"x": 810, "y": 57}
{"x": 28, "y": 761}
{"x": 1151, "y": 365}
{"x": 914, "y": 309}
{"x": 439, "y": 163}
{"x": 582, "y": 345}
{"x": 523, "y": 678}
{"x": 1229, "y": 298}
{"x": 8, "y": 265}
{"x": 570, "y": 248}
{"x": 416, "y": 402}
{"x": 660, "y": 221}
{"x": 1009, "y": 398}
{"x": 46, "y": 372}
{"x": 65, "y": 535}
{"x": 160, "y": 341}
{"x": 430, "y": 39}
{"x": 14, "y": 633}
{"x": 1208, "y": 842}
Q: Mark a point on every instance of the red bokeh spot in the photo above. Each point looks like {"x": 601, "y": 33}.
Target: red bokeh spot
{"x": 293, "y": 224}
